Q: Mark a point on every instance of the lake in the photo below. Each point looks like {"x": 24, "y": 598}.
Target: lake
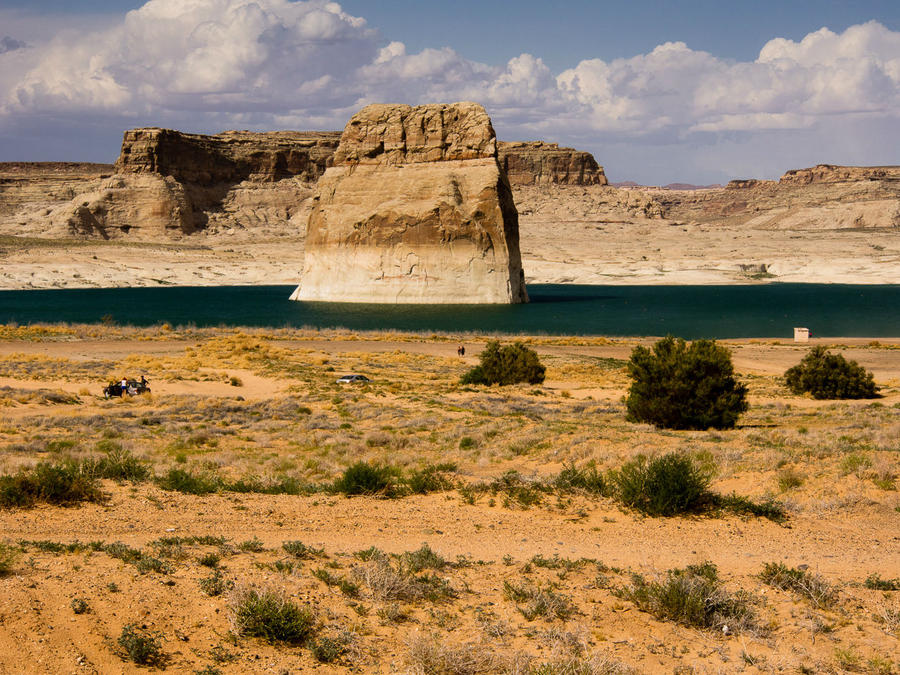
{"x": 765, "y": 310}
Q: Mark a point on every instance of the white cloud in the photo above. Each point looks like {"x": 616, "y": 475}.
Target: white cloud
{"x": 209, "y": 64}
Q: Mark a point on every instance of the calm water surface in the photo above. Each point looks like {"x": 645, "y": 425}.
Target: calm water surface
{"x": 770, "y": 310}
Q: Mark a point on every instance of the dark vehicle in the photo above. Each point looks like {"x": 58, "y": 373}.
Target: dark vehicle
{"x": 131, "y": 388}
{"x": 350, "y": 379}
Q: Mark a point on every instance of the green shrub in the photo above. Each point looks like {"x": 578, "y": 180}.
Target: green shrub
{"x": 742, "y": 506}
{"x": 693, "y": 597}
{"x": 799, "y": 581}
{"x": 677, "y": 386}
{"x": 430, "y": 478}
{"x": 587, "y": 478}
{"x": 63, "y": 483}
{"x": 118, "y": 464}
{"x": 663, "y": 486}
{"x": 301, "y": 551}
{"x": 179, "y": 480}
{"x": 830, "y": 376}
{"x": 8, "y": 557}
{"x": 363, "y": 478}
{"x": 326, "y": 649}
{"x": 141, "y": 646}
{"x": 270, "y": 615}
{"x": 506, "y": 364}
{"x": 215, "y": 584}
{"x": 534, "y": 602}
{"x": 423, "y": 558}
{"x": 209, "y": 559}
{"x": 80, "y": 606}
{"x": 875, "y": 582}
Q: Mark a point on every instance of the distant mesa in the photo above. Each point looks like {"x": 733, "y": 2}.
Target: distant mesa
{"x": 416, "y": 208}
{"x": 830, "y": 173}
{"x": 540, "y": 163}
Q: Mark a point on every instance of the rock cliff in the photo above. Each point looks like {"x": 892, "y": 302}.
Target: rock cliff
{"x": 829, "y": 173}
{"x": 539, "y": 163}
{"x": 168, "y": 184}
{"x": 415, "y": 209}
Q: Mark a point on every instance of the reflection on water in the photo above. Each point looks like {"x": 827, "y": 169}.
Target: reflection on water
{"x": 770, "y": 310}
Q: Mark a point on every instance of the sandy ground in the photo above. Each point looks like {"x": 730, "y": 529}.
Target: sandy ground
{"x": 841, "y": 528}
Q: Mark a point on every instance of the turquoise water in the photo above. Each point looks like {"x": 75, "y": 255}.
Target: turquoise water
{"x": 769, "y": 310}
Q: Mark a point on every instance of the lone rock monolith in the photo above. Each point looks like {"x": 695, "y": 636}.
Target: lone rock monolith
{"x": 414, "y": 209}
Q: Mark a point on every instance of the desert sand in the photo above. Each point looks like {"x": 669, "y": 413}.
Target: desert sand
{"x": 234, "y": 404}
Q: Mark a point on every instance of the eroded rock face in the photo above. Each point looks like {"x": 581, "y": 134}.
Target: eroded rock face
{"x": 416, "y": 209}
{"x": 167, "y": 184}
{"x": 829, "y": 173}
{"x": 539, "y": 163}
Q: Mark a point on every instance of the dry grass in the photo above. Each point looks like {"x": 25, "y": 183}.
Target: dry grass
{"x": 556, "y": 616}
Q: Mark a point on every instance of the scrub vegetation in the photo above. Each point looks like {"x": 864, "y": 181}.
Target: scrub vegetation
{"x": 418, "y": 524}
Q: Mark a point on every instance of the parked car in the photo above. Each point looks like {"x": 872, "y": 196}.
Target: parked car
{"x": 353, "y": 379}
{"x": 131, "y": 388}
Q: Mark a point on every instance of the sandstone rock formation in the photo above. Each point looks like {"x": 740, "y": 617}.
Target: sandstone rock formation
{"x": 539, "y": 163}
{"x": 416, "y": 209}
{"x": 829, "y": 173}
{"x": 39, "y": 187}
{"x": 168, "y": 184}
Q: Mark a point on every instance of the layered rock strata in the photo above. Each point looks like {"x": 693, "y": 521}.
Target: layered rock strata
{"x": 167, "y": 184}
{"x": 539, "y": 163}
{"x": 830, "y": 173}
{"x": 415, "y": 209}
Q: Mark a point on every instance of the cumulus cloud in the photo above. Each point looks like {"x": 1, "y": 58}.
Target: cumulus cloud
{"x": 210, "y": 64}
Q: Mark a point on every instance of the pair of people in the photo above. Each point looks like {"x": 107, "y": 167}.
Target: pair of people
{"x": 460, "y": 351}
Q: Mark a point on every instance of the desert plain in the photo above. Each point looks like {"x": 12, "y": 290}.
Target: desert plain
{"x": 501, "y": 550}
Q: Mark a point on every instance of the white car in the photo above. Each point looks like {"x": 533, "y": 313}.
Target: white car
{"x": 352, "y": 379}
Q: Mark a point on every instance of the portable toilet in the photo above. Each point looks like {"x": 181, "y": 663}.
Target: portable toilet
{"x": 801, "y": 334}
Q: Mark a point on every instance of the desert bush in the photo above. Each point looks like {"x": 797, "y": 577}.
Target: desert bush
{"x": 663, "y": 486}
{"x": 363, "y": 478}
{"x": 677, "y": 386}
{"x": 180, "y": 480}
{"x": 346, "y": 587}
{"x": 742, "y": 506}
{"x": 431, "y": 478}
{"x": 269, "y": 614}
{"x": 533, "y": 602}
{"x": 301, "y": 551}
{"x": 799, "y": 581}
{"x": 80, "y": 606}
{"x": 588, "y": 478}
{"x": 430, "y": 655}
{"x": 8, "y": 557}
{"x": 327, "y": 649}
{"x": 830, "y": 376}
{"x": 215, "y": 584}
{"x": 388, "y": 583}
{"x": 693, "y": 597}
{"x": 63, "y": 483}
{"x": 412, "y": 562}
{"x": 209, "y": 559}
{"x": 118, "y": 464}
{"x": 875, "y": 582}
{"x": 133, "y": 556}
{"x": 507, "y": 364}
{"x": 141, "y": 646}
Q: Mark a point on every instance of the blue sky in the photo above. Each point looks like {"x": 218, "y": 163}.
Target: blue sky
{"x": 697, "y": 91}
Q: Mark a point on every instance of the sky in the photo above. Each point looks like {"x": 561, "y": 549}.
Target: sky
{"x": 698, "y": 91}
